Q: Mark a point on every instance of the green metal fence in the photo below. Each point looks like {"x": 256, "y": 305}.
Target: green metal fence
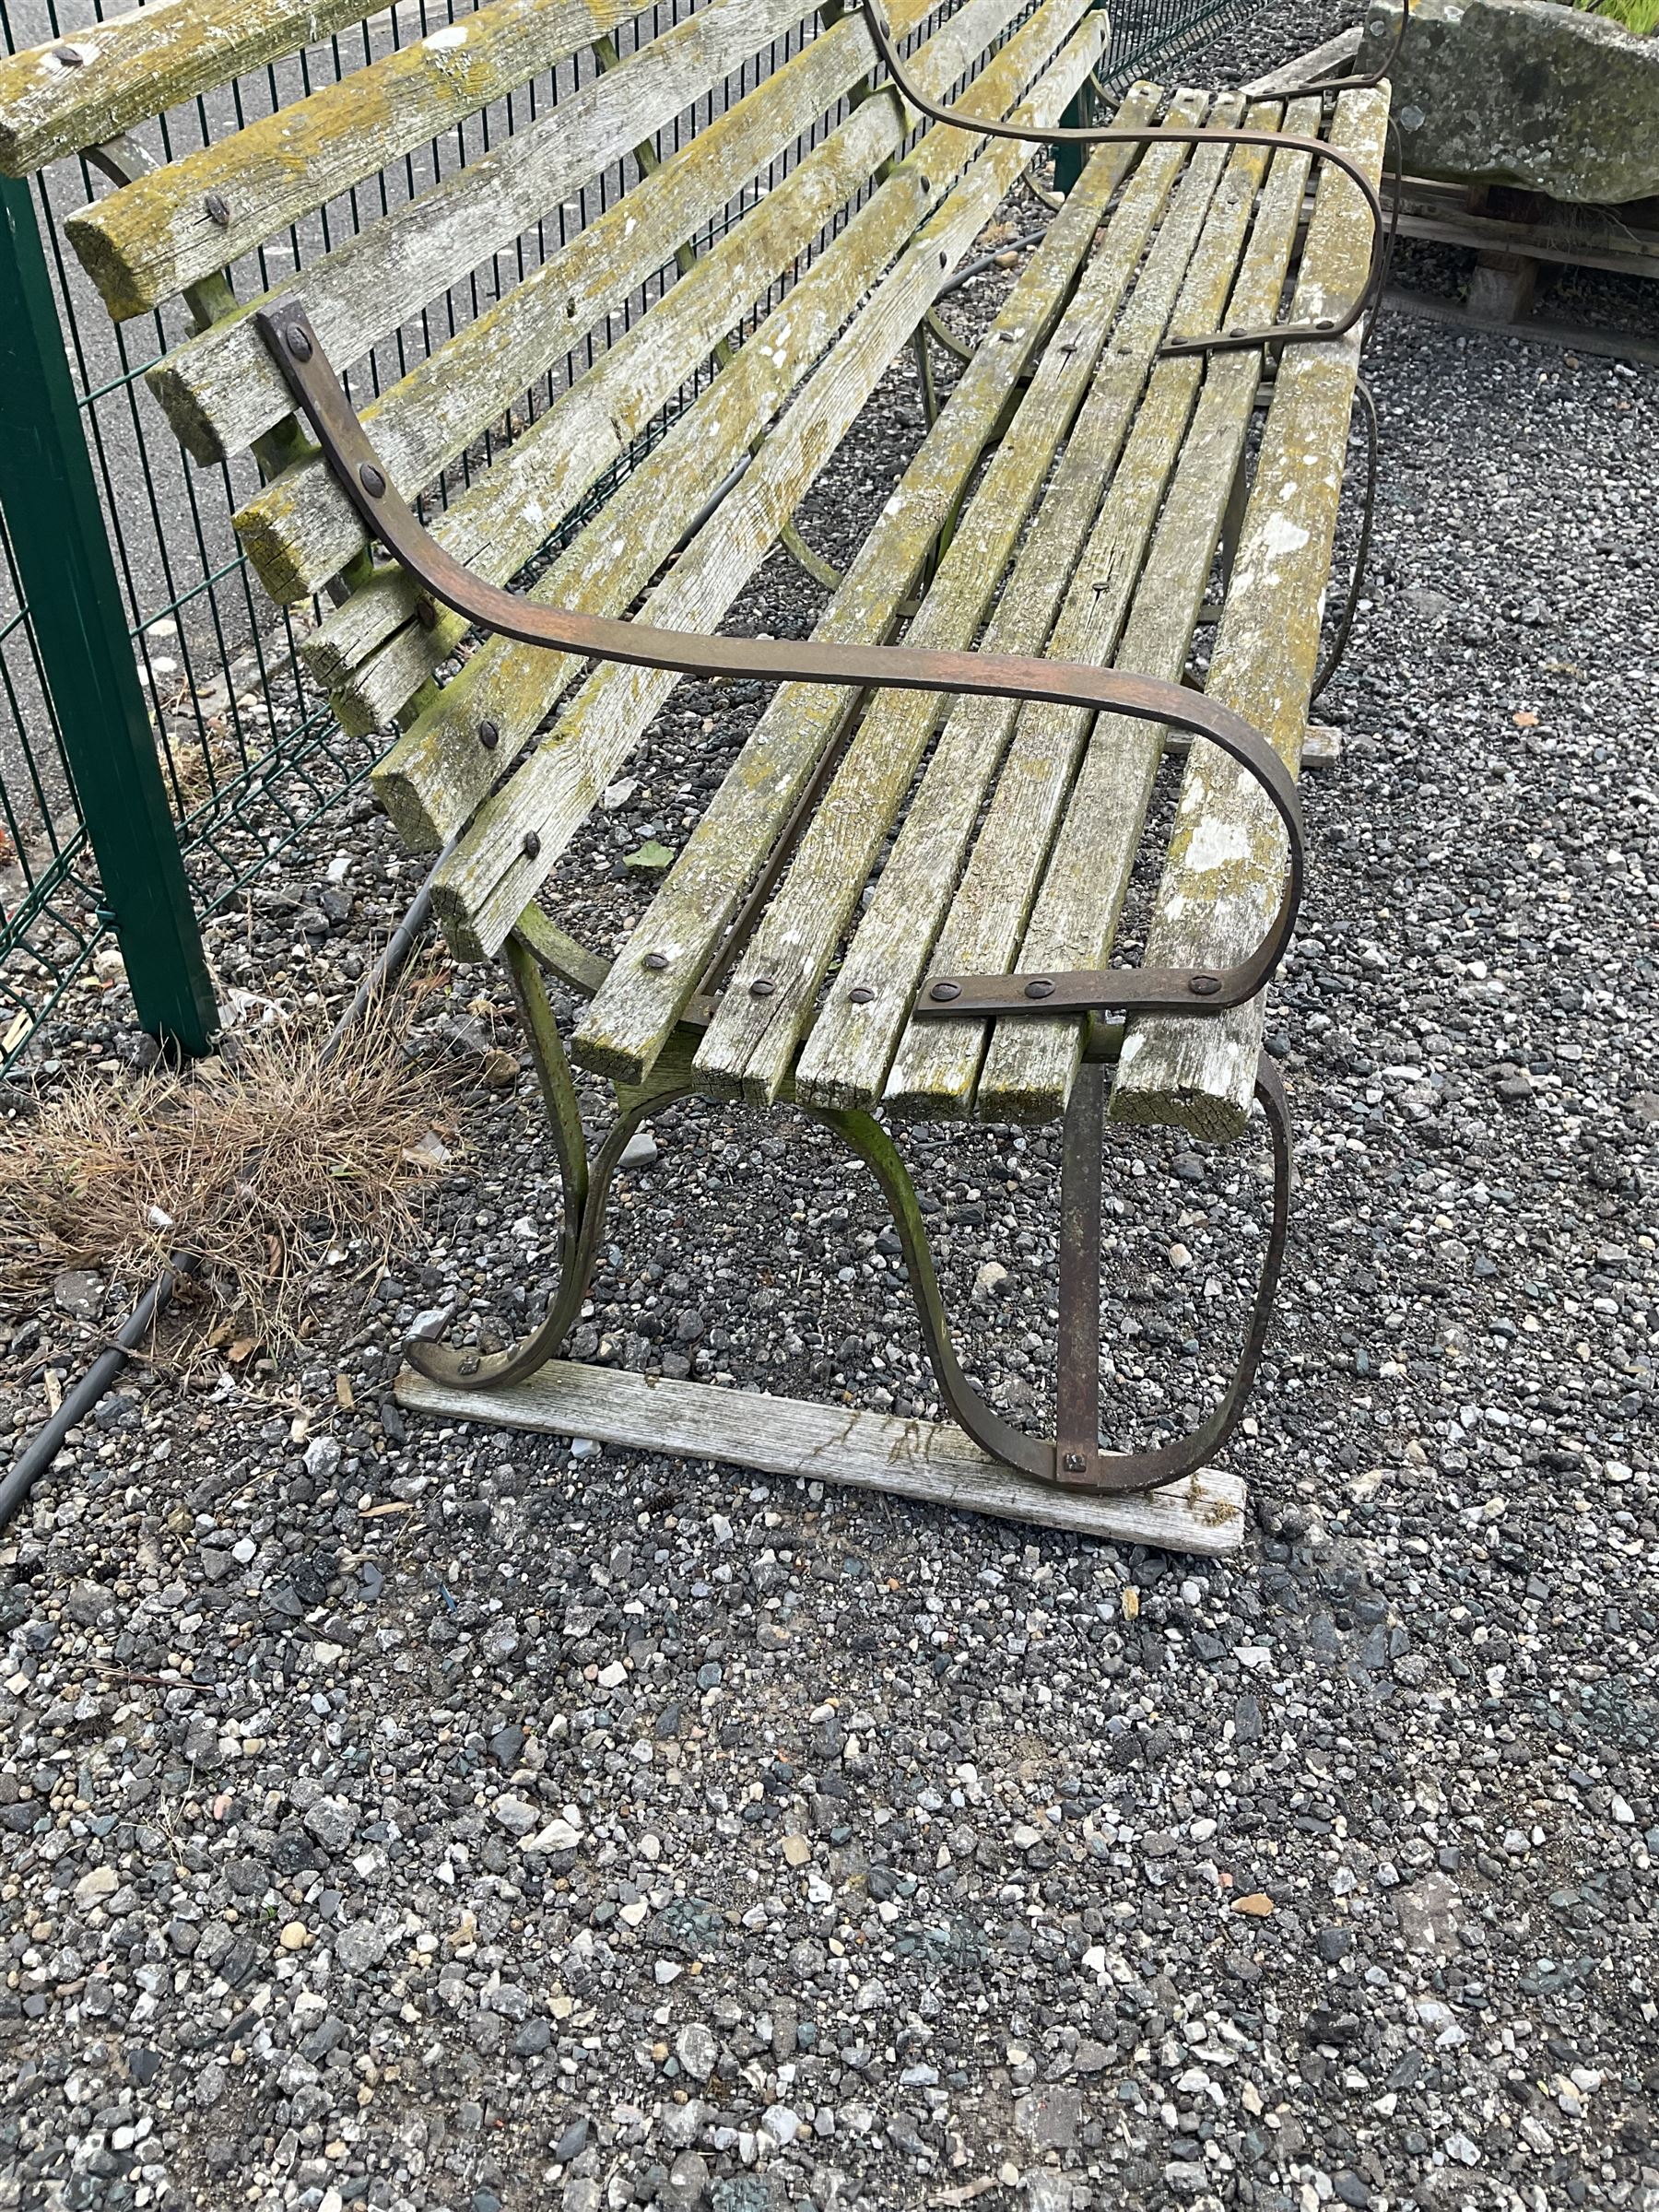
{"x": 154, "y": 707}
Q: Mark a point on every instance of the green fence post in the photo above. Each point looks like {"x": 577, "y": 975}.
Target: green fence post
{"x": 50, "y": 504}
{"x": 1079, "y": 113}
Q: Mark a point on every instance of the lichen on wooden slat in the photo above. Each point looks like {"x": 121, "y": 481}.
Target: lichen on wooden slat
{"x": 153, "y": 237}
{"x": 1224, "y": 872}
{"x": 89, "y": 86}
{"x": 221, "y": 389}
{"x": 490, "y": 876}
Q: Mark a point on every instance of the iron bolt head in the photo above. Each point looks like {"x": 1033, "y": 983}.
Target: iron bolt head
{"x": 371, "y": 480}
{"x": 861, "y": 995}
{"x": 762, "y": 987}
{"x": 1203, "y": 986}
{"x": 1039, "y": 987}
{"x": 425, "y": 614}
{"x": 70, "y": 57}
{"x": 531, "y": 844}
{"x": 946, "y": 991}
{"x": 217, "y": 210}
{"x": 299, "y": 343}
{"x": 1074, "y": 1463}
{"x": 656, "y": 962}
{"x": 489, "y": 735}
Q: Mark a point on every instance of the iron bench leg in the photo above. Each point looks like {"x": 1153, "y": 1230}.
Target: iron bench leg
{"x": 1075, "y": 1459}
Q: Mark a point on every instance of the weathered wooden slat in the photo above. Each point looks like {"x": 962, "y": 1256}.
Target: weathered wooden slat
{"x": 371, "y": 667}
{"x": 1223, "y": 876}
{"x": 153, "y": 237}
{"x": 925, "y": 1463}
{"x": 752, "y": 1041}
{"x": 847, "y": 1058}
{"x": 623, "y": 1031}
{"x": 498, "y": 522}
{"x": 490, "y": 876}
{"x": 1030, "y": 1067}
{"x": 221, "y": 390}
{"x": 936, "y": 1065}
{"x": 83, "y": 88}
{"x": 298, "y": 529}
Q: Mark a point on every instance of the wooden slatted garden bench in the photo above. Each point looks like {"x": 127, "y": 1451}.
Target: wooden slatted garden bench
{"x": 902, "y": 898}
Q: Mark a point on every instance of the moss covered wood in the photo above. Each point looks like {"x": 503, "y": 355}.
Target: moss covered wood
{"x": 480, "y": 889}
{"x": 300, "y": 529}
{"x": 652, "y": 978}
{"x": 153, "y": 237}
{"x": 87, "y": 87}
{"x": 1225, "y": 868}
{"x": 221, "y": 390}
{"x": 752, "y": 1042}
{"x": 371, "y": 666}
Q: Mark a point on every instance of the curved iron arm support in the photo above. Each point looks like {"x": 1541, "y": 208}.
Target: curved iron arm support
{"x": 1228, "y": 341}
{"x": 287, "y": 331}
{"x": 1076, "y": 1464}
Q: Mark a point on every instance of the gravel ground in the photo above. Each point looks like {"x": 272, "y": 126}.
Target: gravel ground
{"x": 419, "y": 1818}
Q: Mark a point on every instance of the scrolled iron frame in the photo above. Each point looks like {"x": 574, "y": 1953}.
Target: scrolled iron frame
{"x": 1325, "y": 330}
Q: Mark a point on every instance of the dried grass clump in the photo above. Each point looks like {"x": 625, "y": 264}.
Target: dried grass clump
{"x": 262, "y": 1169}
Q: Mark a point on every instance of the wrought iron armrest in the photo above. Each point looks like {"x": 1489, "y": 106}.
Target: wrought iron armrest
{"x": 1230, "y": 341}
{"x": 317, "y": 390}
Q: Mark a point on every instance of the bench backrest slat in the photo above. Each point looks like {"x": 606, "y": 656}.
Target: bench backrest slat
{"x": 84, "y": 89}
{"x": 147, "y": 242}
{"x": 301, "y": 529}
{"x": 221, "y": 390}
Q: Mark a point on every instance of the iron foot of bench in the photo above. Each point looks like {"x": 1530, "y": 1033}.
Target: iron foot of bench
{"x": 585, "y": 1188}
{"x": 1075, "y": 1459}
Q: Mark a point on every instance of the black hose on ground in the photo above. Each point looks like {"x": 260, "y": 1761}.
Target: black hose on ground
{"x": 43, "y": 1447}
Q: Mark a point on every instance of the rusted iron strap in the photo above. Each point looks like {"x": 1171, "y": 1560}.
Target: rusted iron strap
{"x": 385, "y": 515}
{"x": 1217, "y": 341}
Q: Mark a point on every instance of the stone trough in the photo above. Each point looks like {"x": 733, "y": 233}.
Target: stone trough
{"x": 1523, "y": 93}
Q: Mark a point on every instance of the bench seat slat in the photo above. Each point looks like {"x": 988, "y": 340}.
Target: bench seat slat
{"x": 751, "y": 1042}
{"x": 130, "y": 67}
{"x": 482, "y": 887}
{"x": 630, "y": 1021}
{"x": 221, "y": 390}
{"x": 847, "y": 1058}
{"x": 1031, "y": 1066}
{"x": 145, "y": 242}
{"x": 936, "y": 1066}
{"x": 1222, "y": 878}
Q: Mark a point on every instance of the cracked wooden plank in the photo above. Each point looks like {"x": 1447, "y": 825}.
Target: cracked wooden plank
{"x": 655, "y": 976}
{"x": 1222, "y": 879}
{"x": 925, "y": 1463}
